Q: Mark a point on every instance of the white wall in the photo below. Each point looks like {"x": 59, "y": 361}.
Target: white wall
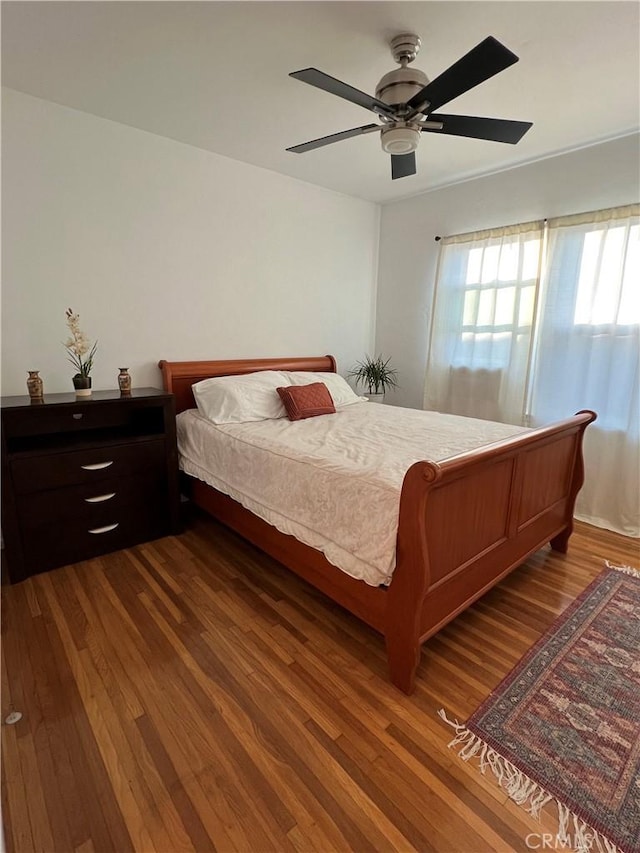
{"x": 168, "y": 251}
{"x": 601, "y": 176}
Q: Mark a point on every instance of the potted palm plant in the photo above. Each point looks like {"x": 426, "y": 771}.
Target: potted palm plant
{"x": 375, "y": 375}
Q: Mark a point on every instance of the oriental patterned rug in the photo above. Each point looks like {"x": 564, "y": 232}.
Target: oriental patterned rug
{"x": 564, "y": 725}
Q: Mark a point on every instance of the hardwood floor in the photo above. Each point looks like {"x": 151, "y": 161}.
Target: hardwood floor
{"x": 191, "y": 694}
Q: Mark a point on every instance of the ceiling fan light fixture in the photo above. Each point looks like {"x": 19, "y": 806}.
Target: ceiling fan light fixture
{"x": 401, "y": 139}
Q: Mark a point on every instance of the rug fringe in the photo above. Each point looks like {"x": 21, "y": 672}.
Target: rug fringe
{"x": 582, "y": 836}
{"x": 627, "y": 570}
{"x": 527, "y": 793}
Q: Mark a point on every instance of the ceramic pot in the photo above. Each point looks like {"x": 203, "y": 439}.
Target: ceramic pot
{"x": 82, "y": 384}
{"x": 35, "y": 385}
{"x": 375, "y": 398}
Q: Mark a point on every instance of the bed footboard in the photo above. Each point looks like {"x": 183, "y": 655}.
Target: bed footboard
{"x": 467, "y": 522}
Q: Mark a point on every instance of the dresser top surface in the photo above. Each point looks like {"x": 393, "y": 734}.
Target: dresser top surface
{"x": 110, "y": 395}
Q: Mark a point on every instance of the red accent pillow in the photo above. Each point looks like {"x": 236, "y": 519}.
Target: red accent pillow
{"x": 306, "y": 401}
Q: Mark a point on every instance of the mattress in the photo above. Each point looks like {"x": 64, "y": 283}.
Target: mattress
{"x": 334, "y": 481}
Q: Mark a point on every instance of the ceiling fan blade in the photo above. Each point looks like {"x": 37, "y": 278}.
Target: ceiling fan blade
{"x": 494, "y": 129}
{"x": 482, "y": 62}
{"x": 336, "y": 87}
{"x": 403, "y": 165}
{"x": 334, "y": 137}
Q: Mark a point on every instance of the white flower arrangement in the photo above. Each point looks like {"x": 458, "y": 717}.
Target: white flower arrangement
{"x": 79, "y": 348}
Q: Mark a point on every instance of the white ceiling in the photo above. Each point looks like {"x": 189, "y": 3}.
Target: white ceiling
{"x": 215, "y": 75}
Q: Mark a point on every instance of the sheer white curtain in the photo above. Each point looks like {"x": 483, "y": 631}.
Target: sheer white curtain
{"x": 481, "y": 331}
{"x": 513, "y": 344}
{"x": 588, "y": 355}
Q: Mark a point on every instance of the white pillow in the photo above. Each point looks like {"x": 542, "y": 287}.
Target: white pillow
{"x": 240, "y": 399}
{"x": 341, "y": 392}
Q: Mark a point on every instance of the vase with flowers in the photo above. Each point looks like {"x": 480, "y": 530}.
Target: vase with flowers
{"x": 80, "y": 353}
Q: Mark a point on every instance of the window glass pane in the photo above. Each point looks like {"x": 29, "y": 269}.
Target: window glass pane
{"x": 470, "y": 307}
{"x": 508, "y": 266}
{"x": 606, "y": 297}
{"x": 474, "y": 264}
{"x": 530, "y": 259}
{"x": 587, "y": 278}
{"x": 502, "y": 344}
{"x": 505, "y": 305}
{"x": 486, "y": 308}
{"x": 490, "y": 264}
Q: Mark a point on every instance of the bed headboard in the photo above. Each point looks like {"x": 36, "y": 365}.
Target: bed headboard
{"x": 179, "y": 376}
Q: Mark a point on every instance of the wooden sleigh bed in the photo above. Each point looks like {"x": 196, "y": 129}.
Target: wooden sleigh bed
{"x": 464, "y": 523}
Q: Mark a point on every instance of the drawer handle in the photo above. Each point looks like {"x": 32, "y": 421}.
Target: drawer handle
{"x": 77, "y": 417}
{"x": 97, "y": 466}
{"x": 104, "y": 529}
{"x": 99, "y": 498}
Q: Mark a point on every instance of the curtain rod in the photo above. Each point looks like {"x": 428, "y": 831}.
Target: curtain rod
{"x": 437, "y": 238}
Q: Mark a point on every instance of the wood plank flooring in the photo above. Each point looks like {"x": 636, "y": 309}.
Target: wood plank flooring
{"x": 191, "y": 694}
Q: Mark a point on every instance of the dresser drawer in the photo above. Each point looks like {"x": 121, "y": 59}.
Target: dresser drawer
{"x": 47, "y": 420}
{"x": 91, "y": 504}
{"x": 53, "y": 545}
{"x": 55, "y": 470}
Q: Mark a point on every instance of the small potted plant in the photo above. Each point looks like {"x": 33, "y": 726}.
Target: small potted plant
{"x": 375, "y": 375}
{"x": 81, "y": 354}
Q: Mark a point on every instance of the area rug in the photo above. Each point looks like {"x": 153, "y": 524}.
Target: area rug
{"x": 564, "y": 725}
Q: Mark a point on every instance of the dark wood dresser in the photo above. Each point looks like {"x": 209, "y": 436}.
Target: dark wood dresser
{"x": 82, "y": 477}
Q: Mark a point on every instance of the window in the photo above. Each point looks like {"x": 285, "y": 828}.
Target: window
{"x": 482, "y": 322}
{"x": 512, "y": 343}
{"x": 499, "y": 299}
{"x": 589, "y": 323}
{"x": 609, "y": 279}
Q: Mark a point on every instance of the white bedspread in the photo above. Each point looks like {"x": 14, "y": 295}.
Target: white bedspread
{"x": 334, "y": 481}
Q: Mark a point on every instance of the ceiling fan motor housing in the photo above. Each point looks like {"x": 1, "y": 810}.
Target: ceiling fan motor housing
{"x": 400, "y": 85}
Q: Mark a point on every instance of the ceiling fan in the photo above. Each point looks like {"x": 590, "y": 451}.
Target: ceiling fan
{"x": 405, "y": 102}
